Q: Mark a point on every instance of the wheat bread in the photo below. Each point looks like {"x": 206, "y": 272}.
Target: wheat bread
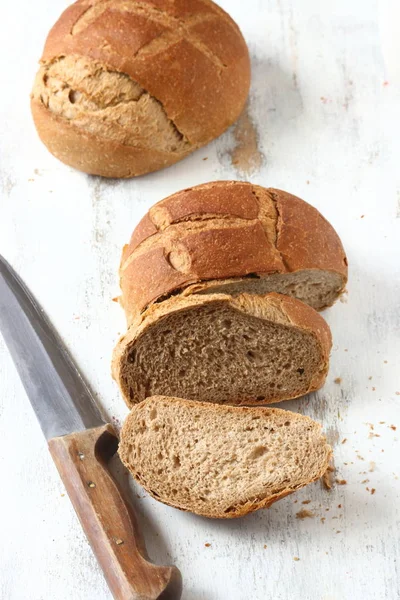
{"x": 126, "y": 87}
{"x": 217, "y": 348}
{"x": 232, "y": 237}
{"x": 219, "y": 461}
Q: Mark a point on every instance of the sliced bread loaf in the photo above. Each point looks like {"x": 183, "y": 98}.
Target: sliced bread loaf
{"x": 218, "y": 348}
{"x": 232, "y": 237}
{"x": 220, "y": 461}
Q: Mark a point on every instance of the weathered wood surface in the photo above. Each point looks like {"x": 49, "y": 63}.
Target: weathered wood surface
{"x": 323, "y": 123}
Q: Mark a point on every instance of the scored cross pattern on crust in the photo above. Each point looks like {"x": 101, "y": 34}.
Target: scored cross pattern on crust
{"x": 171, "y": 231}
{"x": 235, "y": 234}
{"x": 176, "y": 29}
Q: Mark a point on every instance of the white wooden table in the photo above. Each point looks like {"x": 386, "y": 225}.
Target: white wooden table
{"x": 325, "y": 109}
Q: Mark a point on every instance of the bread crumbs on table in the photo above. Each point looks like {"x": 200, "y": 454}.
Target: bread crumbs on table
{"x": 393, "y": 427}
{"x": 365, "y": 481}
{"x": 339, "y": 506}
{"x": 207, "y": 545}
{"x": 327, "y": 478}
{"x": 296, "y": 558}
{"x": 323, "y": 519}
{"x": 372, "y": 466}
{"x": 306, "y": 501}
{"x": 265, "y": 546}
{"x": 205, "y": 158}
{"x": 341, "y": 481}
{"x": 338, "y": 380}
{"x": 362, "y": 216}
{"x": 344, "y": 440}
{"x": 370, "y": 377}
{"x": 304, "y": 514}
{"x": 373, "y": 490}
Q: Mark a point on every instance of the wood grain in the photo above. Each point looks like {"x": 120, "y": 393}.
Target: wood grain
{"x": 108, "y": 521}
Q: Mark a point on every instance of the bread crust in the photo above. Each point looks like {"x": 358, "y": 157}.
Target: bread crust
{"x": 274, "y": 307}
{"x": 189, "y": 55}
{"x": 95, "y": 155}
{"x": 242, "y": 509}
{"x": 224, "y": 230}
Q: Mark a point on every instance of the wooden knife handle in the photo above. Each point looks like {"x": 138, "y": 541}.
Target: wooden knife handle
{"x": 108, "y": 521}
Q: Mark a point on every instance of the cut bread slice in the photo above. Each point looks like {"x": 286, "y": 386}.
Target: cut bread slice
{"x": 216, "y": 348}
{"x": 220, "y": 461}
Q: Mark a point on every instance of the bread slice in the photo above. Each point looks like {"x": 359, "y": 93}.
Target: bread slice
{"x": 216, "y": 348}
{"x": 220, "y": 461}
{"x": 232, "y": 237}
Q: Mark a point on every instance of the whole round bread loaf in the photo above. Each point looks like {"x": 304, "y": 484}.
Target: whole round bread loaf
{"x": 126, "y": 87}
{"x": 232, "y": 237}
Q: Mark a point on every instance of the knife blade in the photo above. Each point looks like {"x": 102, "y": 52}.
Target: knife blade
{"x": 59, "y": 396}
{"x": 81, "y": 444}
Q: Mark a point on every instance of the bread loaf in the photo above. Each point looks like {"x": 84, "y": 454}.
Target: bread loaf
{"x": 219, "y": 461}
{"x": 130, "y": 86}
{"x": 216, "y": 348}
{"x": 232, "y": 237}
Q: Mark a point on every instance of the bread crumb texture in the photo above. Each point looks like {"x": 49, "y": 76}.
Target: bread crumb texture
{"x": 217, "y": 461}
{"x": 244, "y": 350}
{"x": 106, "y": 103}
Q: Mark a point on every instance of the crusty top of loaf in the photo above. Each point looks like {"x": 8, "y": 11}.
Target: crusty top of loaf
{"x": 221, "y": 230}
{"x": 188, "y": 55}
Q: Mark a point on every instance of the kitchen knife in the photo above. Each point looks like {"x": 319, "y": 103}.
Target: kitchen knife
{"x": 81, "y": 443}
